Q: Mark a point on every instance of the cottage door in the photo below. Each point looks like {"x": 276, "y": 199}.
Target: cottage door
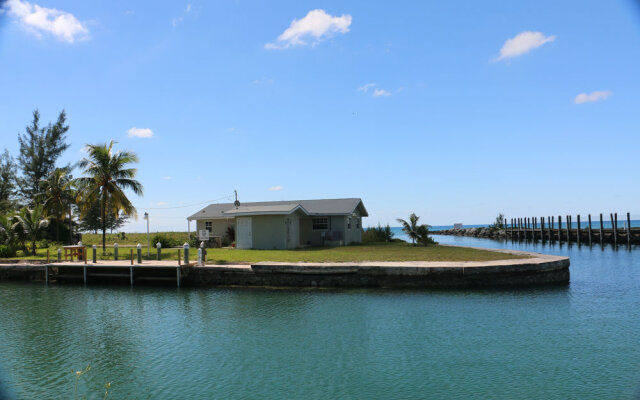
{"x": 244, "y": 234}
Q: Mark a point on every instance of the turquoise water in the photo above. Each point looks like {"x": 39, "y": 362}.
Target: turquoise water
{"x": 580, "y": 341}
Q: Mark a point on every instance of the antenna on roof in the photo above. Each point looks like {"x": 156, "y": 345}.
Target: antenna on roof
{"x": 236, "y": 203}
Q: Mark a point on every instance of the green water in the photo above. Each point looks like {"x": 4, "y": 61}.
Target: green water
{"x": 576, "y": 342}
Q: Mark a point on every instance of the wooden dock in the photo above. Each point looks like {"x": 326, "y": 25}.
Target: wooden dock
{"x": 121, "y": 272}
{"x": 564, "y": 230}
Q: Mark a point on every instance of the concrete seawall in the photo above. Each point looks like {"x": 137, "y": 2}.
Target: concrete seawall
{"x": 538, "y": 269}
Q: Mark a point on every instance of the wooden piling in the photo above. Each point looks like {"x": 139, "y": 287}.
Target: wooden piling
{"x": 601, "y": 234}
{"x": 131, "y": 256}
{"x": 549, "y": 228}
{"x": 542, "y": 229}
{"x": 84, "y": 255}
{"x": 613, "y": 229}
{"x": 628, "y": 230}
{"x": 46, "y": 274}
{"x": 559, "y": 228}
{"x": 568, "y": 228}
{"x": 179, "y": 257}
{"x": 48, "y": 256}
{"x": 590, "y": 230}
{"x": 578, "y": 230}
{"x": 131, "y": 275}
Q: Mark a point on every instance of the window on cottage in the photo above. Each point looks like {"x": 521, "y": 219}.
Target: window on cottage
{"x": 349, "y": 223}
{"x": 320, "y": 224}
{"x": 208, "y": 226}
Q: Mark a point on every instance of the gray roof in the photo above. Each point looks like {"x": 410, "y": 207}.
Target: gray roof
{"x": 310, "y": 207}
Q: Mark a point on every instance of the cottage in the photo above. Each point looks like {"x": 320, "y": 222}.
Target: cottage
{"x": 285, "y": 224}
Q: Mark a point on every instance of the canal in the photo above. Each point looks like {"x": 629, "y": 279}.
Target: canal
{"x": 580, "y": 341}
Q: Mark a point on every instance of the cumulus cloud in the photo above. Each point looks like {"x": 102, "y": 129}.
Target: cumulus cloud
{"x": 140, "y": 132}
{"x": 316, "y": 26}
{"x": 592, "y": 97}
{"x": 275, "y": 188}
{"x": 523, "y": 43}
{"x": 38, "y": 20}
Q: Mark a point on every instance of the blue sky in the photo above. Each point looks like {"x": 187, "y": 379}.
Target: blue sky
{"x": 454, "y": 110}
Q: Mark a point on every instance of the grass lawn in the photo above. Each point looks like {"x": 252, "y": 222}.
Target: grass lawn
{"x": 131, "y": 238}
{"x": 356, "y": 253}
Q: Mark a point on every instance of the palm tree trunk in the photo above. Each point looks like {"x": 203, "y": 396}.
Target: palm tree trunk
{"x": 58, "y": 222}
{"x": 33, "y": 248}
{"x": 104, "y": 230}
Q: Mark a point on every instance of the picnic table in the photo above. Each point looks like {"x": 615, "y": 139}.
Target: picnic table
{"x": 73, "y": 251}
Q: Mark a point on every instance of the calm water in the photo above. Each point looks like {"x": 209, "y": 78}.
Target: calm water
{"x": 575, "y": 342}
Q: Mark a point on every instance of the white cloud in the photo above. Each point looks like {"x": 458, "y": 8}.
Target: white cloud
{"x": 176, "y": 21}
{"x": 381, "y": 92}
{"x": 592, "y": 97}
{"x": 188, "y": 7}
{"x": 275, "y": 188}
{"x": 523, "y": 43}
{"x": 37, "y": 20}
{"x": 166, "y": 178}
{"x": 317, "y": 25}
{"x": 365, "y": 88}
{"x": 140, "y": 132}
{"x": 377, "y": 92}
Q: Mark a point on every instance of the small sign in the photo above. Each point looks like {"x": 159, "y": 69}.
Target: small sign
{"x": 203, "y": 234}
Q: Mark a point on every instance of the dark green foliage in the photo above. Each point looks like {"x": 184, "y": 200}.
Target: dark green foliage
{"x": 91, "y": 222}
{"x": 498, "y": 224}
{"x": 165, "y": 241}
{"x": 40, "y": 148}
{"x": 29, "y": 225}
{"x": 7, "y": 182}
{"x": 377, "y": 234}
{"x": 7, "y": 251}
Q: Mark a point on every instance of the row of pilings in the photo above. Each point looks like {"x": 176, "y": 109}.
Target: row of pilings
{"x": 584, "y": 232}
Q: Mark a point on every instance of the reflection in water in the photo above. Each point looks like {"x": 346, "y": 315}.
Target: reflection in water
{"x": 569, "y": 342}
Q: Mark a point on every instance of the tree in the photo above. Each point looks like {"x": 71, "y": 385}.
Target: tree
{"x": 7, "y": 182}
{"x": 57, "y": 195}
{"x": 107, "y": 177}
{"x": 40, "y": 148}
{"x": 499, "y": 222}
{"x": 419, "y": 233}
{"x": 30, "y": 224}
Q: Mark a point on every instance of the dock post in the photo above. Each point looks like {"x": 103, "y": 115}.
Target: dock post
{"x": 601, "y": 234}
{"x": 59, "y": 255}
{"x": 590, "y": 230}
{"x": 159, "y": 249}
{"x": 84, "y": 255}
{"x": 542, "y": 229}
{"x": 115, "y": 251}
{"x": 560, "y": 228}
{"x": 131, "y": 275}
{"x": 613, "y": 229}
{"x": 568, "y": 223}
{"x": 549, "y": 229}
{"x": 94, "y": 253}
{"x": 615, "y": 232}
{"x": 139, "y": 250}
{"x": 84, "y": 273}
{"x": 131, "y": 256}
{"x": 186, "y": 253}
{"x": 178, "y": 276}
{"x": 628, "y": 230}
{"x": 578, "y": 229}
{"x": 48, "y": 260}
{"x": 179, "y": 257}
{"x": 46, "y": 274}
{"x": 200, "y": 256}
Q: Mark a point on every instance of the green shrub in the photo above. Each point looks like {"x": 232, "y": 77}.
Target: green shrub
{"x": 377, "y": 234}
{"x": 165, "y": 241}
{"x": 7, "y": 251}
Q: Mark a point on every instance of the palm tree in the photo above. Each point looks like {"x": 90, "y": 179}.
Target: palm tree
{"x": 29, "y": 224}
{"x": 57, "y": 195}
{"x": 7, "y": 234}
{"x": 107, "y": 177}
{"x": 411, "y": 228}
